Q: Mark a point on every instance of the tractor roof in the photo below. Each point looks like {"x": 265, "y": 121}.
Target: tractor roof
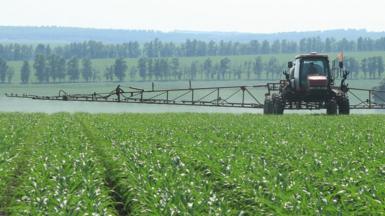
{"x": 311, "y": 55}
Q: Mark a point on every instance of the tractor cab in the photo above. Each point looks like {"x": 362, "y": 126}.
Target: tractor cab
{"x": 309, "y": 73}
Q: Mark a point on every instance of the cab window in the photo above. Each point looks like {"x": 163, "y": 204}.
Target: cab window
{"x": 311, "y": 66}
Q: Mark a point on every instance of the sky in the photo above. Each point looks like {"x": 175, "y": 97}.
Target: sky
{"x": 255, "y": 16}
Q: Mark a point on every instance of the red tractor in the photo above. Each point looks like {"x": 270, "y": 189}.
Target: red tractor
{"x": 309, "y": 84}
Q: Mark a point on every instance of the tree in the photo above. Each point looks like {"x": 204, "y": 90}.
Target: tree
{"x": 254, "y": 47}
{"x": 380, "y": 66}
{"x": 265, "y": 47}
{"x": 258, "y": 67}
{"x": 40, "y": 50}
{"x": 276, "y": 47}
{"x": 208, "y": 68}
{"x": 109, "y": 73}
{"x": 156, "y": 68}
{"x": 224, "y": 67}
{"x": 87, "y": 69}
{"x": 272, "y": 67}
{"x": 193, "y": 70}
{"x": 134, "y": 49}
{"x": 212, "y": 48}
{"x": 238, "y": 71}
{"x": 3, "y": 70}
{"x": 61, "y": 69}
{"x": 53, "y": 67}
{"x": 353, "y": 66}
{"x": 164, "y": 69}
{"x": 120, "y": 68}
{"x": 247, "y": 68}
{"x": 372, "y": 67}
{"x": 10, "y": 73}
{"x": 142, "y": 66}
{"x": 73, "y": 69}
{"x": 25, "y": 72}
{"x": 364, "y": 67}
{"x": 174, "y": 67}
{"x": 40, "y": 69}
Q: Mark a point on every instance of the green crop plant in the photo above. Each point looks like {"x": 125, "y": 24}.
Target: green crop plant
{"x": 192, "y": 164}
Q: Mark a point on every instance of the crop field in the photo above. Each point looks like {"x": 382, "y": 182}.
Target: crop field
{"x": 191, "y": 164}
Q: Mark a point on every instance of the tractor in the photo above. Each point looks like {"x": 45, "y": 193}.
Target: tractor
{"x": 309, "y": 84}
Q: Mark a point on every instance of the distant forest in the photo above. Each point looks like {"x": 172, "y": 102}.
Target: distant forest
{"x": 56, "y": 69}
{"x": 160, "y": 58}
{"x": 190, "y": 48}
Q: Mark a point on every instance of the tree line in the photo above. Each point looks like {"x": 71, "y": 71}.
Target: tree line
{"x": 159, "y": 49}
{"x": 370, "y": 68}
{"x": 57, "y": 69}
{"x": 54, "y": 69}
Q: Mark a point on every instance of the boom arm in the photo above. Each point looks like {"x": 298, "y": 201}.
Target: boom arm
{"x": 229, "y": 96}
{"x": 225, "y": 96}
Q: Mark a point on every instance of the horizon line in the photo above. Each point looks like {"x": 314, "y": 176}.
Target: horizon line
{"x": 189, "y": 31}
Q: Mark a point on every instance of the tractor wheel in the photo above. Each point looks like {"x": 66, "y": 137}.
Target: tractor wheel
{"x": 331, "y": 107}
{"x": 278, "y": 105}
{"x": 344, "y": 106}
{"x": 268, "y": 106}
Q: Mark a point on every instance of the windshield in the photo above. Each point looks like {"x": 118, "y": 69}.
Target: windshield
{"x": 314, "y": 67}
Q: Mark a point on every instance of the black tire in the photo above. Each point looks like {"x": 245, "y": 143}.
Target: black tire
{"x": 344, "y": 106}
{"x": 278, "y": 105}
{"x": 331, "y": 107}
{"x": 268, "y": 106}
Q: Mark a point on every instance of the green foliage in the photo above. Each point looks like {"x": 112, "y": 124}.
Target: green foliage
{"x": 51, "y": 169}
{"x": 87, "y": 69}
{"x": 120, "y": 68}
{"x": 142, "y": 67}
{"x": 73, "y": 69}
{"x": 248, "y": 67}
{"x": 191, "y": 164}
{"x": 25, "y": 72}
{"x": 3, "y": 70}
{"x": 40, "y": 68}
{"x": 189, "y": 48}
{"x": 56, "y": 68}
{"x": 109, "y": 73}
{"x": 258, "y": 67}
{"x": 9, "y": 74}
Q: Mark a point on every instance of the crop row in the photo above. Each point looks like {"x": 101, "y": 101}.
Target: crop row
{"x": 225, "y": 164}
{"x": 62, "y": 175}
{"x": 13, "y": 151}
{"x": 191, "y": 164}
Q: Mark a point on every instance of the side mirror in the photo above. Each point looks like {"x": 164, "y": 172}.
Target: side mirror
{"x": 341, "y": 64}
{"x": 286, "y": 75}
{"x": 290, "y": 64}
